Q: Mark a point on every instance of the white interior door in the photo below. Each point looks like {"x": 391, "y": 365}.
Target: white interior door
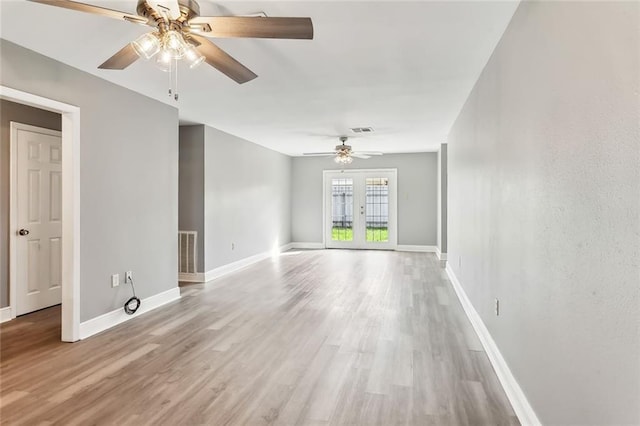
{"x": 361, "y": 209}
{"x": 37, "y": 167}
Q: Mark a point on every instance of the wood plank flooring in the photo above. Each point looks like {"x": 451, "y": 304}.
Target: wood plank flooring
{"x": 309, "y": 338}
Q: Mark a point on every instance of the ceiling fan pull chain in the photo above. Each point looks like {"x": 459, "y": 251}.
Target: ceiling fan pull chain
{"x": 175, "y": 82}
{"x": 170, "y": 79}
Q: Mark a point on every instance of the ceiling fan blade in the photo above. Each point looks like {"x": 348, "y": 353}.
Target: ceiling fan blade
{"x": 369, "y": 153}
{"x": 253, "y": 27}
{"x": 125, "y": 57}
{"x": 223, "y": 62}
{"x": 319, "y": 154}
{"x": 82, "y": 7}
{"x": 360, "y": 155}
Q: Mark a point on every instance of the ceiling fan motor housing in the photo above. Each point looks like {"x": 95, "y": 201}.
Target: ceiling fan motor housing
{"x": 188, "y": 8}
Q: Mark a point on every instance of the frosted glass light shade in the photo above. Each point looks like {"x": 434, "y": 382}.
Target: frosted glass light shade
{"x": 173, "y": 43}
{"x": 163, "y": 61}
{"x": 343, "y": 159}
{"x": 192, "y": 56}
{"x": 146, "y": 45}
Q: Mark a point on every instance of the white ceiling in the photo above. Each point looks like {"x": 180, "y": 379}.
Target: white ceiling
{"x": 403, "y": 68}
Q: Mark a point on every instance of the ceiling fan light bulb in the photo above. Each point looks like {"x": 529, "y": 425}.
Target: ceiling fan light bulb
{"x": 146, "y": 45}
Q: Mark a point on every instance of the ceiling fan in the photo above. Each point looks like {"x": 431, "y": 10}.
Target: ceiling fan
{"x": 343, "y": 153}
{"x": 180, "y": 33}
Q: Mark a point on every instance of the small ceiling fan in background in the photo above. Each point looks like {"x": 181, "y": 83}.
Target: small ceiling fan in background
{"x": 180, "y": 33}
{"x": 343, "y": 154}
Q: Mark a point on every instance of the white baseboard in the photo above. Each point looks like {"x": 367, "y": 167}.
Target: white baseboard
{"x": 440, "y": 255}
{"x": 285, "y": 247}
{"x": 113, "y": 318}
{"x": 421, "y": 249}
{"x": 5, "y": 314}
{"x": 521, "y": 406}
{"x": 239, "y": 264}
{"x": 201, "y": 277}
{"x": 309, "y": 246}
{"x": 191, "y": 278}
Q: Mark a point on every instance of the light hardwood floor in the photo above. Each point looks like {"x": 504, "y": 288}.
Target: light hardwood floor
{"x": 310, "y": 338}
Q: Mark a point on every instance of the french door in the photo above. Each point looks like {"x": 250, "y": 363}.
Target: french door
{"x": 360, "y": 209}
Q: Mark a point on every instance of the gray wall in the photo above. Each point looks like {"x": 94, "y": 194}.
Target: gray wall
{"x": 191, "y": 185}
{"x": 544, "y": 207}
{"x": 128, "y": 178}
{"x": 442, "y": 198}
{"x": 417, "y": 195}
{"x": 247, "y": 199}
{"x": 10, "y": 111}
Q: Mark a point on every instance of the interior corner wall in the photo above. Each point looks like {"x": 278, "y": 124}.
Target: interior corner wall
{"x": 544, "y": 207}
{"x": 442, "y": 198}
{"x": 128, "y": 178}
{"x": 417, "y": 195}
{"x": 247, "y": 199}
{"x": 10, "y": 111}
{"x": 191, "y": 186}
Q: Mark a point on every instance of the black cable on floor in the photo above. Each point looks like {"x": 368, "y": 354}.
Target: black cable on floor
{"x": 132, "y": 305}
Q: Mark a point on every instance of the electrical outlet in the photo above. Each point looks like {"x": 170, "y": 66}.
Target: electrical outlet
{"x": 497, "y": 307}
{"x": 128, "y": 276}
{"x": 115, "y": 280}
{"x": 459, "y": 261}
{"x": 233, "y": 246}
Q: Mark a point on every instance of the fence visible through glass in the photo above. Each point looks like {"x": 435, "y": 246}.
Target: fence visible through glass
{"x": 377, "y": 210}
{"x": 342, "y": 209}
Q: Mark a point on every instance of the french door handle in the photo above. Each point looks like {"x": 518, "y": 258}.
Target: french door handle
{"x": 23, "y": 232}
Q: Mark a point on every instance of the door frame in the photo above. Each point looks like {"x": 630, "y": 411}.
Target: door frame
{"x": 393, "y": 203}
{"x": 70, "y": 208}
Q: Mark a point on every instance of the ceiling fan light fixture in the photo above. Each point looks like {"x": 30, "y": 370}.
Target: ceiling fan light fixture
{"x": 192, "y": 56}
{"x": 146, "y": 45}
{"x": 174, "y": 44}
{"x": 163, "y": 61}
{"x": 343, "y": 158}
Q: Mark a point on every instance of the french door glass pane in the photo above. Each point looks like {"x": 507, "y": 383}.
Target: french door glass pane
{"x": 377, "y": 210}
{"x": 342, "y": 209}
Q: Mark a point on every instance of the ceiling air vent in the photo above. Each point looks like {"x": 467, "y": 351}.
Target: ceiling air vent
{"x": 362, "y": 130}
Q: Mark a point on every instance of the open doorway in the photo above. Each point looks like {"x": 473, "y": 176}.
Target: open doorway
{"x": 41, "y": 165}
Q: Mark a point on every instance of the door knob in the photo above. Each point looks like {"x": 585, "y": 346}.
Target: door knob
{"x": 23, "y": 232}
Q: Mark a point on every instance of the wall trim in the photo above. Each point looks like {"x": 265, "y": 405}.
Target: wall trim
{"x": 202, "y": 277}
{"x": 440, "y": 255}
{"x": 70, "y": 322}
{"x": 516, "y": 396}
{"x": 198, "y": 277}
{"x": 413, "y": 248}
{"x": 309, "y": 246}
{"x": 6, "y": 314}
{"x": 118, "y": 316}
{"x": 243, "y": 263}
